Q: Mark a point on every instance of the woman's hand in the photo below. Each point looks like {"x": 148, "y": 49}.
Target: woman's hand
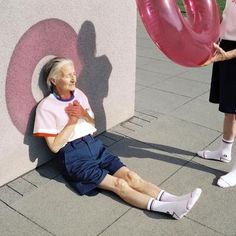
{"x": 219, "y": 55}
{"x": 75, "y": 111}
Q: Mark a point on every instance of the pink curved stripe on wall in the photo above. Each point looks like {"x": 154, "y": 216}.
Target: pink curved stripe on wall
{"x": 47, "y": 37}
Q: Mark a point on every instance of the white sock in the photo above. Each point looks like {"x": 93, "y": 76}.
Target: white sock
{"x": 177, "y": 209}
{"x": 228, "y": 180}
{"x": 222, "y": 154}
{"x": 167, "y": 197}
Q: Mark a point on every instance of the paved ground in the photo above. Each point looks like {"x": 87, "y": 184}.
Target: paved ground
{"x": 173, "y": 120}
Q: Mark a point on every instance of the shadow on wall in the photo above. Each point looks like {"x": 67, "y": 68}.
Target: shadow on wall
{"x": 93, "y": 80}
{"x": 94, "y": 77}
{"x": 38, "y": 149}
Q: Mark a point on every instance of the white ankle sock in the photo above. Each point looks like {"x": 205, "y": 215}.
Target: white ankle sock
{"x": 222, "y": 154}
{"x": 228, "y": 180}
{"x": 177, "y": 209}
{"x": 167, "y": 197}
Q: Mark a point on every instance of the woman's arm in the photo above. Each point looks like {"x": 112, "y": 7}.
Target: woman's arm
{"x": 75, "y": 112}
{"x": 88, "y": 118}
{"x": 56, "y": 143}
{"x": 221, "y": 55}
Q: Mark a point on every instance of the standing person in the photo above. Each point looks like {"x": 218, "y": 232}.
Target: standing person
{"x": 223, "y": 91}
{"x": 66, "y": 121}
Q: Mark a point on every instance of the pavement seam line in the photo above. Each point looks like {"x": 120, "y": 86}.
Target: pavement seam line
{"x": 29, "y": 182}
{"x": 27, "y": 217}
{"x": 14, "y": 189}
{"x": 205, "y": 225}
{"x": 114, "y": 221}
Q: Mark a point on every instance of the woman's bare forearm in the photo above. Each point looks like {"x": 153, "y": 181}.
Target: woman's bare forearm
{"x": 56, "y": 143}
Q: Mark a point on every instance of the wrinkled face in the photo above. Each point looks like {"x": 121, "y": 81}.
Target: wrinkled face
{"x": 66, "y": 80}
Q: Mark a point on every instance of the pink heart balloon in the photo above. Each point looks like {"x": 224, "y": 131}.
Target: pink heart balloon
{"x": 188, "y": 41}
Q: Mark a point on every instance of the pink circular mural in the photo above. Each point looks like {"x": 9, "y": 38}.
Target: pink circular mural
{"x": 47, "y": 37}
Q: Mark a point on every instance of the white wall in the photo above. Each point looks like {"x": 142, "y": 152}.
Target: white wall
{"x": 99, "y": 35}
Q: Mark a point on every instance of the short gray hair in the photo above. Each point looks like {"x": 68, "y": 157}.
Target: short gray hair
{"x": 52, "y": 69}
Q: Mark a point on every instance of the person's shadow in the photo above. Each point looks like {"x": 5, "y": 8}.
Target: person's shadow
{"x": 38, "y": 149}
{"x": 94, "y": 77}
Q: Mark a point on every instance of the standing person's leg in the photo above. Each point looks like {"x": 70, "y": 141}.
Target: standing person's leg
{"x": 229, "y": 180}
{"x": 222, "y": 92}
{"x": 229, "y": 127}
{"x": 177, "y": 209}
{"x": 223, "y": 153}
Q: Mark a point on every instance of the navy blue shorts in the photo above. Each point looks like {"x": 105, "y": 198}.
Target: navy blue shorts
{"x": 86, "y": 162}
{"x": 223, "y": 81}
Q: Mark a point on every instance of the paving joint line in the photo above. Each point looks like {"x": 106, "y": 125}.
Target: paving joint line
{"x": 114, "y": 221}
{"x": 27, "y": 218}
{"x": 14, "y": 190}
{"x": 205, "y": 225}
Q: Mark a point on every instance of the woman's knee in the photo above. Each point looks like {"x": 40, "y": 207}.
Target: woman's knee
{"x": 134, "y": 179}
{"x": 121, "y": 186}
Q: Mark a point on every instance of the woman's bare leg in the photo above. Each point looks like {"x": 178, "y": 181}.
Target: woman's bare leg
{"x": 223, "y": 153}
{"x": 150, "y": 189}
{"x": 124, "y": 191}
{"x": 229, "y": 127}
{"x": 177, "y": 209}
{"x": 137, "y": 183}
{"x": 229, "y": 180}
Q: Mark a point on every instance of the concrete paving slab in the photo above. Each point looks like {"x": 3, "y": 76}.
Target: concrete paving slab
{"x": 121, "y": 130}
{"x": 43, "y": 174}
{"x": 158, "y": 101}
{"x": 149, "y": 55}
{"x": 148, "y": 117}
{"x": 142, "y": 121}
{"x": 139, "y": 87}
{"x": 112, "y": 135}
{"x": 162, "y": 66}
{"x": 151, "y": 163}
{"x": 202, "y": 113}
{"x": 224, "y": 167}
{"x": 185, "y": 87}
{"x": 141, "y": 32}
{"x": 63, "y": 212}
{"x": 216, "y": 207}
{"x": 204, "y": 97}
{"x": 13, "y": 223}
{"x": 131, "y": 125}
{"x": 145, "y": 42}
{"x": 22, "y": 186}
{"x": 199, "y": 74}
{"x": 36, "y": 178}
{"x": 8, "y": 195}
{"x": 141, "y": 61}
{"x": 148, "y": 78}
{"x": 175, "y": 136}
{"x": 137, "y": 222}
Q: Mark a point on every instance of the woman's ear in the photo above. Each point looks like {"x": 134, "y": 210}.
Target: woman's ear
{"x": 53, "y": 81}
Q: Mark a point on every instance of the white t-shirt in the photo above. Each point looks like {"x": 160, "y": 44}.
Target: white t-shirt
{"x": 51, "y": 117}
{"x": 228, "y": 24}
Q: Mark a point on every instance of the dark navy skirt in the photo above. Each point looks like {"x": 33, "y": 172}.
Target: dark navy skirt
{"x": 223, "y": 81}
{"x": 85, "y": 163}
